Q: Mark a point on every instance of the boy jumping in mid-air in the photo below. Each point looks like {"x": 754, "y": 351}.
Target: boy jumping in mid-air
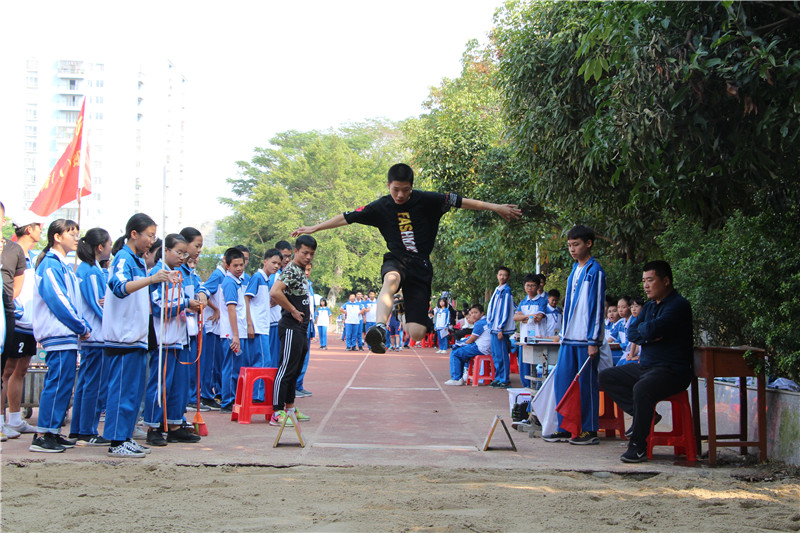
{"x": 408, "y": 221}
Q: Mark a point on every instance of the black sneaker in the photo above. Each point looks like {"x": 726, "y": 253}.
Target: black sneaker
{"x": 47, "y": 443}
{"x": 181, "y": 435}
{"x": 376, "y": 338}
{"x": 634, "y": 454}
{"x": 585, "y": 437}
{"x": 65, "y": 442}
{"x": 226, "y": 409}
{"x": 211, "y": 404}
{"x": 155, "y": 437}
{"x": 629, "y": 431}
{"x": 558, "y": 436}
{"x": 93, "y": 440}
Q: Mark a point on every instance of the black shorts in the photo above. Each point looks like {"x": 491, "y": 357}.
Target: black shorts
{"x": 416, "y": 275}
{"x": 24, "y": 345}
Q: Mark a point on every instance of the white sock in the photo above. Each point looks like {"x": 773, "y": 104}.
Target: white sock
{"x": 290, "y": 410}
{"x": 15, "y": 419}
{"x": 2, "y": 420}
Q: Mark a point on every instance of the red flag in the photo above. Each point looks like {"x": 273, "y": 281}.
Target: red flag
{"x": 61, "y": 186}
{"x": 570, "y": 408}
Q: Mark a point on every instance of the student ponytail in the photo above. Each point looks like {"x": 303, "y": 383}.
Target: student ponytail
{"x": 87, "y": 245}
{"x": 117, "y": 246}
{"x": 57, "y": 227}
{"x": 170, "y": 241}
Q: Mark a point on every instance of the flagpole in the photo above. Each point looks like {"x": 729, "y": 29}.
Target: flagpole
{"x": 81, "y": 170}
{"x": 163, "y": 284}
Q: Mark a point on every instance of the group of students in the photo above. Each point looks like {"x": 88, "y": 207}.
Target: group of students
{"x": 359, "y": 315}
{"x": 136, "y": 324}
{"x": 495, "y": 333}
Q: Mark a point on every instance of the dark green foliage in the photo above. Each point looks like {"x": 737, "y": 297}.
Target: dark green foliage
{"x": 743, "y": 281}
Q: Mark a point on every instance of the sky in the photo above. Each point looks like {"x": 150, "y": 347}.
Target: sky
{"x": 257, "y": 68}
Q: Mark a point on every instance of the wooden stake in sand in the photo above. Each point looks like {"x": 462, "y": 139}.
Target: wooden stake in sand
{"x": 293, "y": 417}
{"x": 497, "y": 419}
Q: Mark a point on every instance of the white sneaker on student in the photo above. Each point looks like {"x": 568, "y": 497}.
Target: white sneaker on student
{"x": 455, "y": 382}
{"x": 10, "y": 432}
{"x": 22, "y": 427}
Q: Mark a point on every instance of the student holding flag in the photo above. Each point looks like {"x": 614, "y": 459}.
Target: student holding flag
{"x": 581, "y": 339}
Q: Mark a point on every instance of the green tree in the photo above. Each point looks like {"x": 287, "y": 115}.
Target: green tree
{"x": 625, "y": 111}
{"x": 307, "y": 177}
{"x": 459, "y": 145}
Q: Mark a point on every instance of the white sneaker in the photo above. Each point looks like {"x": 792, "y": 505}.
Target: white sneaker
{"x": 123, "y": 451}
{"x": 454, "y": 382}
{"x": 10, "y": 432}
{"x": 139, "y": 433}
{"x": 23, "y": 427}
{"x": 135, "y": 446}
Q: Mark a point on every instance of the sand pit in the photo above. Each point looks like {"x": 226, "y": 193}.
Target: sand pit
{"x": 107, "y": 496}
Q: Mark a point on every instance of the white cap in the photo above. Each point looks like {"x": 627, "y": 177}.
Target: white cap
{"x": 27, "y": 218}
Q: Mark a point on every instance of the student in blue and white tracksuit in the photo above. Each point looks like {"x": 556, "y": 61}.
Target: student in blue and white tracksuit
{"x": 322, "y": 318}
{"x": 259, "y": 317}
{"x": 285, "y": 249}
{"x": 211, "y": 356}
{"x": 531, "y": 314}
{"x": 363, "y": 305}
{"x": 371, "y": 314}
{"x": 553, "y": 313}
{"x": 582, "y": 336}
{"x": 232, "y": 327}
{"x": 441, "y": 324}
{"x": 500, "y": 316}
{"x": 191, "y": 289}
{"x": 126, "y": 319}
{"x": 57, "y": 325}
{"x": 93, "y": 247}
{"x": 352, "y": 321}
{"x": 478, "y": 343}
{"x": 169, "y": 363}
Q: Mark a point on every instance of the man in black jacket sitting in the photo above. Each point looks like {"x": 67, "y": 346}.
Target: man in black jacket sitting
{"x": 664, "y": 334}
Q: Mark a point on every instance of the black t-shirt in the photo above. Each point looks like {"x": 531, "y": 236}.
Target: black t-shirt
{"x": 409, "y": 228}
{"x": 13, "y": 261}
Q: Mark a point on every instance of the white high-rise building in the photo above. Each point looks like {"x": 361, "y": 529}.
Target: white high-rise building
{"x": 134, "y": 126}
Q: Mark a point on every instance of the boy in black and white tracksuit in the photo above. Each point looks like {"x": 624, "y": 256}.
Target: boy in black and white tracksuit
{"x": 290, "y": 291}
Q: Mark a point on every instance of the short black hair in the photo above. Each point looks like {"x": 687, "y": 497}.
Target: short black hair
{"x": 583, "y": 233}
{"x": 531, "y": 277}
{"x": 627, "y": 300}
{"x": 554, "y": 292}
{"x": 305, "y": 240}
{"x": 231, "y": 254}
{"x": 271, "y": 253}
{"x": 242, "y": 248}
{"x": 508, "y": 270}
{"x": 479, "y": 307}
{"x": 283, "y": 245}
{"x": 401, "y": 172}
{"x": 662, "y": 269}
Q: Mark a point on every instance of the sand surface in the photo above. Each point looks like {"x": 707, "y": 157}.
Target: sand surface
{"x": 109, "y": 496}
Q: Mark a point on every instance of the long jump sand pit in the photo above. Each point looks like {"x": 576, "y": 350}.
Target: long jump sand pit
{"x": 141, "y": 497}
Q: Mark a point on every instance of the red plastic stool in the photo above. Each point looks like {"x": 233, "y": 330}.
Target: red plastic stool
{"x": 681, "y": 438}
{"x": 612, "y": 418}
{"x": 478, "y": 370}
{"x": 243, "y": 407}
{"x": 513, "y": 367}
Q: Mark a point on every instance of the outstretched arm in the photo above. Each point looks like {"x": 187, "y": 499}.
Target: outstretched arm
{"x": 334, "y": 222}
{"x": 507, "y": 211}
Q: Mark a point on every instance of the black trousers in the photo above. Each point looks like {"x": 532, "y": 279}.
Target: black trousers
{"x": 294, "y": 345}
{"x": 637, "y": 390}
